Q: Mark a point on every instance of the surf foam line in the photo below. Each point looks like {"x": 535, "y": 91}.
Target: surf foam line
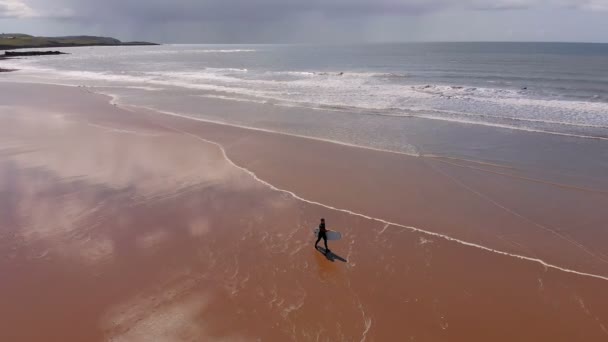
{"x": 377, "y": 112}
{"x": 359, "y": 111}
{"x": 543, "y": 263}
{"x": 501, "y": 117}
{"x": 222, "y": 123}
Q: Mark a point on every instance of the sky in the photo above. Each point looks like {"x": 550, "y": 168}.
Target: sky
{"x": 311, "y": 21}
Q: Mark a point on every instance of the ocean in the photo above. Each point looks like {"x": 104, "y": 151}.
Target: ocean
{"x": 463, "y": 100}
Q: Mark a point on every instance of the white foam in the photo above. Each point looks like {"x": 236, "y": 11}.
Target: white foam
{"x": 359, "y": 92}
{"x": 370, "y": 93}
{"x": 227, "y": 69}
{"x": 133, "y": 87}
{"x": 181, "y": 52}
{"x": 508, "y": 96}
{"x": 512, "y": 118}
{"x": 229, "y": 98}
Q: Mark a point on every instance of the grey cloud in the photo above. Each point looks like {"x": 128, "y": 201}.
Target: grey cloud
{"x": 282, "y": 20}
{"x": 269, "y": 9}
{"x": 15, "y": 9}
{"x": 193, "y": 9}
{"x": 593, "y": 5}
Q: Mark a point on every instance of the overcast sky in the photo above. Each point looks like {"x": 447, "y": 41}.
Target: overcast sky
{"x": 306, "y": 21}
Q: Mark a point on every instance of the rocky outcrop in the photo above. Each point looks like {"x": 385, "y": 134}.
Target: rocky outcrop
{"x": 9, "y": 54}
{"x": 13, "y": 41}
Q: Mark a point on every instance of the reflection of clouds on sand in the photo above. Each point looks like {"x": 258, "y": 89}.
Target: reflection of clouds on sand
{"x": 173, "y": 312}
{"x": 42, "y": 219}
{"x": 169, "y": 322}
{"x": 52, "y": 218}
{"x": 52, "y": 120}
{"x": 152, "y": 165}
{"x": 151, "y": 239}
{"x": 90, "y": 250}
{"x": 199, "y": 226}
{"x": 69, "y": 181}
{"x": 167, "y": 314}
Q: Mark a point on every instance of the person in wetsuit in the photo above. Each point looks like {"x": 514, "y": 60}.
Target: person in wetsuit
{"x": 322, "y": 235}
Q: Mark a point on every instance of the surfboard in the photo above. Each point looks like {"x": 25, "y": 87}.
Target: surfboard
{"x": 331, "y": 234}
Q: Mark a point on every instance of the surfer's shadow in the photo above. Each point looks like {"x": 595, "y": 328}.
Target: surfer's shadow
{"x": 331, "y": 256}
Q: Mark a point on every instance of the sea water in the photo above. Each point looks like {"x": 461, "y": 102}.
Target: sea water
{"x": 458, "y": 99}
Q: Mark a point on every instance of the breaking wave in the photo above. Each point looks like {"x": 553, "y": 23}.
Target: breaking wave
{"x": 365, "y": 93}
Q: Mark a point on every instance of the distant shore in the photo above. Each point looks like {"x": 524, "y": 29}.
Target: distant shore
{"x": 14, "y": 41}
{"x": 6, "y": 47}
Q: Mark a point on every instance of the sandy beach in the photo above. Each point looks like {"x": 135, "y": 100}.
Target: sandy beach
{"x": 123, "y": 224}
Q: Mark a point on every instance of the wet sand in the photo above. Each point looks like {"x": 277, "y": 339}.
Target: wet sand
{"x": 126, "y": 225}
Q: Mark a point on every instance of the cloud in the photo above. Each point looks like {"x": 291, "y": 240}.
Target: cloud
{"x": 15, "y": 9}
{"x": 594, "y": 5}
{"x": 264, "y": 10}
{"x": 261, "y": 21}
{"x": 502, "y": 5}
{"x": 243, "y": 9}
{"x": 25, "y": 9}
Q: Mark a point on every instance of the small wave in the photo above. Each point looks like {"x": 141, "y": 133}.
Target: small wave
{"x": 293, "y": 73}
{"x": 181, "y": 52}
{"x": 461, "y": 91}
{"x": 132, "y": 87}
{"x": 390, "y": 75}
{"x": 429, "y": 116}
{"x": 225, "y": 51}
{"x": 226, "y": 70}
{"x": 368, "y": 93}
{"x": 344, "y": 74}
{"x": 512, "y": 127}
{"x": 231, "y": 98}
{"x": 512, "y": 118}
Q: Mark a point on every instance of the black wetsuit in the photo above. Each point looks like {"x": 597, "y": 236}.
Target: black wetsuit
{"x": 322, "y": 235}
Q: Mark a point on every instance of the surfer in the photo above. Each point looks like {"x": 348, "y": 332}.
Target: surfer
{"x": 322, "y": 235}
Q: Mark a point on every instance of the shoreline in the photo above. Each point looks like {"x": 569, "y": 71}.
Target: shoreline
{"x": 168, "y": 217}
{"x": 388, "y": 224}
{"x": 286, "y": 184}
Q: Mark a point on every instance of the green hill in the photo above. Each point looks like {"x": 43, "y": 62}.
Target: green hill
{"x": 10, "y": 41}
